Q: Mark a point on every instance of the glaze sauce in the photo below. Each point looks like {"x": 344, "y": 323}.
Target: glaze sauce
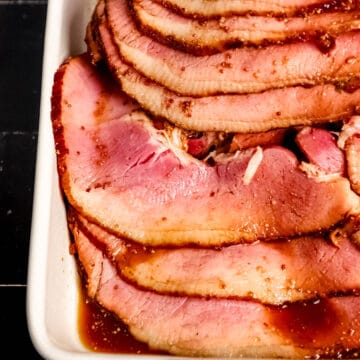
{"x": 101, "y": 331}
{"x": 303, "y": 323}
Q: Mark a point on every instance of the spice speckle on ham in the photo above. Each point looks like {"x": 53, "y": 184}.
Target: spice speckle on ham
{"x": 241, "y": 70}
{"x": 206, "y": 36}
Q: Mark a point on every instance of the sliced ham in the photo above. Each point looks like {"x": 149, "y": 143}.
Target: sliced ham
{"x": 224, "y": 327}
{"x": 208, "y": 36}
{"x": 278, "y": 108}
{"x": 124, "y": 174}
{"x": 216, "y": 8}
{"x": 349, "y": 140}
{"x": 242, "y": 70}
{"x": 274, "y": 273}
{"x": 320, "y": 148}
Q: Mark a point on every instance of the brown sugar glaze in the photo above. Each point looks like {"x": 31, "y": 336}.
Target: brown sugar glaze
{"x": 102, "y": 331}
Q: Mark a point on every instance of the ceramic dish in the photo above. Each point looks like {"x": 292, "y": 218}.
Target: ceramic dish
{"x": 53, "y": 284}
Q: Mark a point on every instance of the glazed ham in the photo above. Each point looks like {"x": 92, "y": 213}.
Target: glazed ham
{"x": 201, "y": 36}
{"x": 350, "y": 141}
{"x": 124, "y": 174}
{"x": 241, "y": 70}
{"x": 278, "y": 108}
{"x": 272, "y": 273}
{"x": 222, "y": 327}
{"x": 213, "y": 200}
{"x": 216, "y": 8}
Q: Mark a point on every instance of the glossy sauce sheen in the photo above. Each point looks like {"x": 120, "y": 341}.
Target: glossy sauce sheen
{"x": 101, "y": 331}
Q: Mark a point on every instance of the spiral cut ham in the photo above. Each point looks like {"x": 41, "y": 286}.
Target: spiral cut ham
{"x": 241, "y": 70}
{"x": 208, "y": 154}
{"x": 206, "y": 36}
{"x": 221, "y": 327}
{"x": 251, "y": 112}
{"x": 271, "y": 273}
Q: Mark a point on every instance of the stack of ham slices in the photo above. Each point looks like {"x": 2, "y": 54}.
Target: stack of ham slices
{"x": 208, "y": 152}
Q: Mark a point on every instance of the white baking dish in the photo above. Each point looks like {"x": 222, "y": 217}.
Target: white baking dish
{"x": 53, "y": 288}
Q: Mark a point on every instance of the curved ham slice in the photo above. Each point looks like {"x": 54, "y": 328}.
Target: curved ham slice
{"x": 124, "y": 174}
{"x": 216, "y": 8}
{"x": 278, "y": 108}
{"x": 274, "y": 273}
{"x": 242, "y": 70}
{"x": 224, "y": 327}
{"x": 208, "y": 36}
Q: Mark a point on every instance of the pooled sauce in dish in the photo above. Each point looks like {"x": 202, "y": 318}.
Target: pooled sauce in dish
{"x": 101, "y": 331}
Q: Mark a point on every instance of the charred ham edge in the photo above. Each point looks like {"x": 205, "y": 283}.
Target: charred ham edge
{"x": 216, "y": 8}
{"x": 92, "y": 35}
{"x": 235, "y": 71}
{"x": 272, "y": 273}
{"x": 242, "y": 141}
{"x": 278, "y": 108}
{"x": 210, "y": 36}
{"x": 248, "y": 329}
{"x": 349, "y": 140}
{"x": 125, "y": 175}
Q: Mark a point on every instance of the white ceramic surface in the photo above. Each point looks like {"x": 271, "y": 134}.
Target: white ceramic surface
{"x": 52, "y": 292}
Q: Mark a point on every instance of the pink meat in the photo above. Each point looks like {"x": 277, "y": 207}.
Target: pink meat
{"x": 124, "y": 174}
{"x": 241, "y": 70}
{"x": 216, "y": 8}
{"x": 320, "y": 148}
{"x": 213, "y": 35}
{"x": 244, "y": 113}
{"x": 285, "y": 271}
{"x": 223, "y": 327}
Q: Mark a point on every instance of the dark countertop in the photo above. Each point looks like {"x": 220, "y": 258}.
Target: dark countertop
{"x": 22, "y": 26}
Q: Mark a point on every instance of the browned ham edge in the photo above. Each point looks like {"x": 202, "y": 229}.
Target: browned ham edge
{"x": 274, "y": 273}
{"x": 143, "y": 188}
{"x": 215, "y": 8}
{"x": 209, "y": 36}
{"x": 349, "y": 140}
{"x": 278, "y": 108}
{"x": 242, "y": 70}
{"x": 248, "y": 329}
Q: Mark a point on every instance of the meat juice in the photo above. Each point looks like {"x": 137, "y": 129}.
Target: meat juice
{"x": 101, "y": 331}
{"x": 303, "y": 322}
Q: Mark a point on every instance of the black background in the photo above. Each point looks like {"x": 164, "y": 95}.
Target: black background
{"x": 22, "y": 26}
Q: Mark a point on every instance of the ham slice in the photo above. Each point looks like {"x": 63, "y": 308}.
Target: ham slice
{"x": 223, "y": 327}
{"x": 320, "y": 148}
{"x": 216, "y": 8}
{"x": 349, "y": 140}
{"x": 241, "y": 70}
{"x": 278, "y": 108}
{"x": 274, "y": 273}
{"x": 125, "y": 175}
{"x": 272, "y": 137}
{"x": 213, "y": 35}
